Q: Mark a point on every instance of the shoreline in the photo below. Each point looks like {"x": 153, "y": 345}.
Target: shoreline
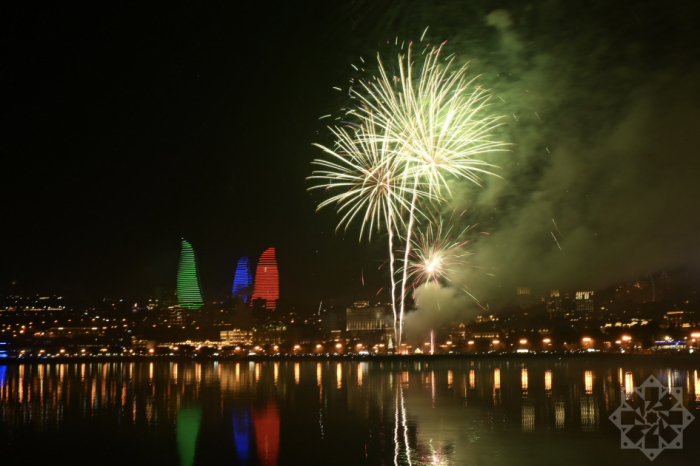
{"x": 360, "y": 358}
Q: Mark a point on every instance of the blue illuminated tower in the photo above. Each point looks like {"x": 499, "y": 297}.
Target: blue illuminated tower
{"x": 242, "y": 280}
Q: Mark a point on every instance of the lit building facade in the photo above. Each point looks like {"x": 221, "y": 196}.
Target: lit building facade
{"x": 269, "y": 334}
{"x": 267, "y": 279}
{"x": 524, "y": 297}
{"x": 554, "y": 303}
{"x": 584, "y": 301}
{"x": 236, "y": 337}
{"x": 363, "y": 318}
{"x": 189, "y": 294}
{"x": 242, "y": 280}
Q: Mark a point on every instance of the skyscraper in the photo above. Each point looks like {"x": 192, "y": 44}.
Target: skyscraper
{"x": 266, "y": 279}
{"x": 188, "y": 292}
{"x": 584, "y": 301}
{"x": 242, "y": 280}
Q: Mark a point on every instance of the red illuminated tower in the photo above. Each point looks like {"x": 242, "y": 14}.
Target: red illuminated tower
{"x": 267, "y": 280}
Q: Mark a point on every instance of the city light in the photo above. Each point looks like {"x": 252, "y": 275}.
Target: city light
{"x": 523, "y": 341}
{"x": 626, "y": 338}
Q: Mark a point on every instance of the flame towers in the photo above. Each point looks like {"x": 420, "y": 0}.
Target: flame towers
{"x": 242, "y": 280}
{"x": 189, "y": 294}
{"x": 267, "y": 279}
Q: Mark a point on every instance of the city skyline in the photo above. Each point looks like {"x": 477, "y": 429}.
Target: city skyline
{"x": 105, "y": 211}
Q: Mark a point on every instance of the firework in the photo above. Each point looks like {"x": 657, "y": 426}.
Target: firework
{"x": 366, "y": 170}
{"x": 434, "y": 120}
{"x": 414, "y": 132}
{"x": 369, "y": 175}
{"x": 435, "y": 254}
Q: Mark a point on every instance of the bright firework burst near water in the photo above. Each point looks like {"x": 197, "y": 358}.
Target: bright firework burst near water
{"x": 435, "y": 255}
{"x": 414, "y": 134}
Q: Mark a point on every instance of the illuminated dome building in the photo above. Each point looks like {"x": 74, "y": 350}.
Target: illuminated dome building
{"x": 266, "y": 279}
{"x": 242, "y": 280}
{"x": 189, "y": 295}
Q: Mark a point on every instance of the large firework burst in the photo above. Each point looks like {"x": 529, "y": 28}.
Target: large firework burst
{"x": 415, "y": 131}
{"x": 369, "y": 174}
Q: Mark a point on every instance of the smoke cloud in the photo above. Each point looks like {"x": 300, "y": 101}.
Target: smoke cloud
{"x": 602, "y": 104}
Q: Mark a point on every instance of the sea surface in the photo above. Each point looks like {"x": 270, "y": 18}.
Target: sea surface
{"x": 452, "y": 411}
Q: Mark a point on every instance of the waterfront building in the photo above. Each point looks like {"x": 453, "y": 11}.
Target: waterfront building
{"x": 584, "y": 301}
{"x": 680, "y": 319}
{"x": 267, "y": 279}
{"x": 524, "y": 298}
{"x": 189, "y": 294}
{"x": 242, "y": 280}
{"x": 269, "y": 334}
{"x": 370, "y": 324}
{"x": 236, "y": 337}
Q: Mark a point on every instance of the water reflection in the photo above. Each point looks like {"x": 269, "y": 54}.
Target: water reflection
{"x": 589, "y": 382}
{"x": 188, "y": 421}
{"x": 242, "y": 434}
{"x": 629, "y": 385}
{"x": 266, "y": 421}
{"x": 388, "y": 412}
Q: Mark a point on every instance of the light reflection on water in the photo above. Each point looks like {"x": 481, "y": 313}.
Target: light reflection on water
{"x": 459, "y": 411}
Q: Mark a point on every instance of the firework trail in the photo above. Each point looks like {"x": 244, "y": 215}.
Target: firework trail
{"x": 555, "y": 226}
{"x": 555, "y": 240}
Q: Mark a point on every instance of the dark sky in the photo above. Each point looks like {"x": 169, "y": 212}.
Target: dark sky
{"x": 126, "y": 128}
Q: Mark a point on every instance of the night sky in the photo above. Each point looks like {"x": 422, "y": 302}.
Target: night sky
{"x": 126, "y": 128}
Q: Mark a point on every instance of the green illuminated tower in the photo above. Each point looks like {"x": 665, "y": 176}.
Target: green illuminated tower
{"x": 188, "y": 292}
